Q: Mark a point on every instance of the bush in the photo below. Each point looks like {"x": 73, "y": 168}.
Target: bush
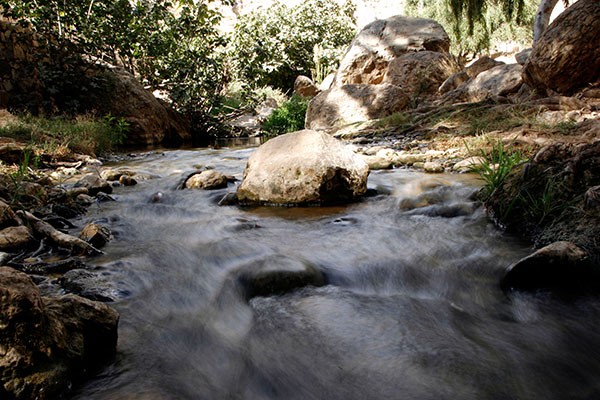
{"x": 271, "y": 47}
{"x": 289, "y": 117}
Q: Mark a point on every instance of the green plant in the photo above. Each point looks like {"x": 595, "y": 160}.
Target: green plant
{"x": 289, "y": 117}
{"x": 495, "y": 166}
{"x": 271, "y": 47}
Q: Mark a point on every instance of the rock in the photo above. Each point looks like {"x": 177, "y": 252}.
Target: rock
{"x": 433, "y": 167}
{"x": 150, "y": 120}
{"x": 110, "y": 174}
{"x": 277, "y": 274}
{"x": 379, "y": 42}
{"x": 523, "y": 56}
{"x": 348, "y": 104}
{"x": 468, "y": 164}
{"x": 127, "y": 180}
{"x": 96, "y": 235}
{"x": 498, "y": 81}
{"x": 7, "y": 216}
{"x": 303, "y": 167}
{"x": 94, "y": 184}
{"x": 377, "y": 162}
{"x": 91, "y": 285}
{"x": 14, "y": 238}
{"x": 591, "y": 200}
{"x": 566, "y": 58}
{"x": 11, "y": 152}
{"x": 420, "y": 74}
{"x": 47, "y": 344}
{"x": 207, "y": 180}
{"x": 410, "y": 158}
{"x": 453, "y": 82}
{"x": 305, "y": 87}
{"x": 560, "y": 265}
{"x": 482, "y": 64}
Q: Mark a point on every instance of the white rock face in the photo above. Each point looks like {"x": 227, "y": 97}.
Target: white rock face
{"x": 304, "y": 167}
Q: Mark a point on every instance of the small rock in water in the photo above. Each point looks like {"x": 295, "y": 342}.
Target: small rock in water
{"x": 433, "y": 167}
{"x": 157, "y": 197}
{"x": 207, "y": 180}
{"x": 127, "y": 180}
{"x": 96, "y": 235}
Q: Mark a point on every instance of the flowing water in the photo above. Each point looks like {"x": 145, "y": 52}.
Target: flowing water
{"x": 411, "y": 308}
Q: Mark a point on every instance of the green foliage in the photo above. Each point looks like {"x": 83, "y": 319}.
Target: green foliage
{"x": 173, "y": 45}
{"x": 289, "y": 117}
{"x": 476, "y": 26}
{"x": 273, "y": 46}
{"x": 496, "y": 165}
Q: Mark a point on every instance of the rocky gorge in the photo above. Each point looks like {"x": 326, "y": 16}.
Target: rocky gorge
{"x": 245, "y": 268}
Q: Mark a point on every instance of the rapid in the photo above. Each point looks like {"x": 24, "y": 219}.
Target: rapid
{"x": 411, "y": 306}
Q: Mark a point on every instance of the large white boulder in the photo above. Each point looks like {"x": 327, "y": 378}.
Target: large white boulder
{"x": 304, "y": 167}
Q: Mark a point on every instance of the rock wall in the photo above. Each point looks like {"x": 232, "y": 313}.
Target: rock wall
{"x": 20, "y": 49}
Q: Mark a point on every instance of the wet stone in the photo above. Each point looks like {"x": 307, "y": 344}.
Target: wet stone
{"x": 276, "y": 275}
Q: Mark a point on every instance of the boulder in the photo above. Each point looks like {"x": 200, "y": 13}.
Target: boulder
{"x": 560, "y": 265}
{"x": 497, "y": 81}
{"x": 305, "y": 167}
{"x": 305, "y": 87}
{"x": 420, "y": 74}
{"x": 207, "y": 180}
{"x": 379, "y": 42}
{"x": 566, "y": 58}
{"x": 348, "y": 104}
{"x": 48, "y": 344}
{"x": 151, "y": 121}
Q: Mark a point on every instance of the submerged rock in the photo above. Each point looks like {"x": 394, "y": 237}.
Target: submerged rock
{"x": 304, "y": 167}
{"x": 47, "y": 344}
{"x": 277, "y": 274}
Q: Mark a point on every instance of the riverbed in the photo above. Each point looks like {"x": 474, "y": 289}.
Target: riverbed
{"x": 411, "y": 307}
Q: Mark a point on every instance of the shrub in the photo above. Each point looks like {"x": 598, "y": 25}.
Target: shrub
{"x": 289, "y": 117}
{"x": 496, "y": 165}
{"x": 271, "y": 47}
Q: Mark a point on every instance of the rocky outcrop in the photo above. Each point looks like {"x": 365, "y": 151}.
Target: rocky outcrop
{"x": 566, "y": 58}
{"x": 381, "y": 41}
{"x": 348, "y": 104}
{"x": 48, "y": 344}
{"x": 420, "y": 74}
{"x": 150, "y": 120}
{"x": 304, "y": 167}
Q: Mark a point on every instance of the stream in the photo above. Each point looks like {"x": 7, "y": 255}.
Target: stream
{"x": 411, "y": 308}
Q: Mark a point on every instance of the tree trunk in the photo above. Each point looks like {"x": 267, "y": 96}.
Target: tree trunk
{"x": 542, "y": 18}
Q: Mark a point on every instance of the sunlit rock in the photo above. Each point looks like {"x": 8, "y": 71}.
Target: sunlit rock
{"x": 304, "y": 167}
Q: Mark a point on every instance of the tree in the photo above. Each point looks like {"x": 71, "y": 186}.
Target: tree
{"x": 474, "y": 9}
